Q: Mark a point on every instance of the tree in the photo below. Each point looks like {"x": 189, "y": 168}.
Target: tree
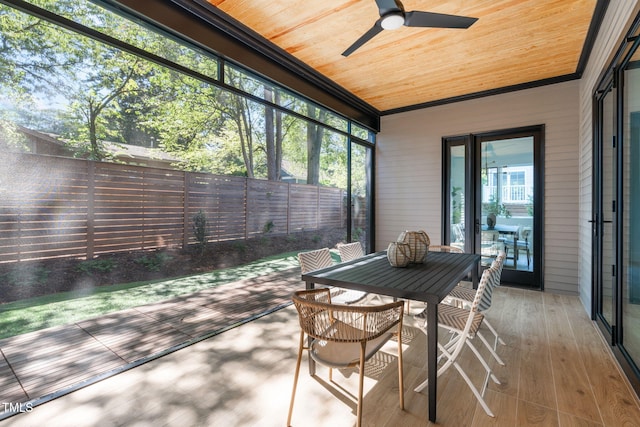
{"x": 96, "y": 87}
{"x": 43, "y": 61}
{"x": 96, "y": 92}
{"x": 314, "y": 144}
{"x": 278, "y": 127}
{"x": 273, "y": 137}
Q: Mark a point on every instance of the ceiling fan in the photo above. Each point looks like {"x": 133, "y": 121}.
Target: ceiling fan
{"x": 393, "y": 16}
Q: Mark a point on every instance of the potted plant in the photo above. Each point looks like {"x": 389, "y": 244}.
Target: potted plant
{"x": 456, "y": 205}
{"x": 493, "y": 208}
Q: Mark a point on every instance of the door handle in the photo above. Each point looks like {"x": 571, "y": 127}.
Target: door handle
{"x": 477, "y": 226}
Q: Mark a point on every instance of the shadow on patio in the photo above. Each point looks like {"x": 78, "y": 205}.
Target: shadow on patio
{"x": 558, "y": 372}
{"x": 39, "y": 366}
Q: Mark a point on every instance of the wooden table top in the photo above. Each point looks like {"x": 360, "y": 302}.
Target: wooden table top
{"x": 429, "y": 282}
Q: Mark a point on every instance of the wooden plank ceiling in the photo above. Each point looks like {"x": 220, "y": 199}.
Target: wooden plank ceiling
{"x": 513, "y": 42}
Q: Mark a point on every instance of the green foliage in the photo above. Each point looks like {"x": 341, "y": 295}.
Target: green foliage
{"x": 291, "y": 238}
{"x": 356, "y": 234}
{"x": 529, "y": 205}
{"x": 456, "y": 205}
{"x": 154, "y": 262}
{"x": 11, "y": 139}
{"x": 96, "y": 92}
{"x": 240, "y": 247}
{"x": 268, "y": 227}
{"x": 496, "y": 208}
{"x": 316, "y": 238}
{"x": 200, "y": 228}
{"x": 96, "y": 266}
{"x": 19, "y": 276}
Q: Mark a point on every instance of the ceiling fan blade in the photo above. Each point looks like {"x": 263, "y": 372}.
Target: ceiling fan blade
{"x": 386, "y": 6}
{"x": 437, "y": 20}
{"x": 377, "y": 28}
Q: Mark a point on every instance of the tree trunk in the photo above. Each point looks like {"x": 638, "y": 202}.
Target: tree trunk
{"x": 270, "y": 138}
{"x": 273, "y": 137}
{"x": 96, "y": 154}
{"x": 246, "y": 137}
{"x": 315, "y": 134}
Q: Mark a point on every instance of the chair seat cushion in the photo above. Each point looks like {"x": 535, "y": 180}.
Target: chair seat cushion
{"x": 336, "y": 354}
{"x": 462, "y": 293}
{"x": 347, "y": 296}
{"x": 455, "y": 318}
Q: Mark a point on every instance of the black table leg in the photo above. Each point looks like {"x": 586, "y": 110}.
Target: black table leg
{"x": 475, "y": 276}
{"x": 312, "y": 363}
{"x": 432, "y": 357}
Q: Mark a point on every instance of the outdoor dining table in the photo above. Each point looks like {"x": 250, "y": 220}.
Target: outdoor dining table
{"x": 509, "y": 232}
{"x": 430, "y": 282}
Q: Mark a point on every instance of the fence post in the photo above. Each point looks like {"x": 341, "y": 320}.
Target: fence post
{"x": 246, "y": 211}
{"x": 289, "y": 230}
{"x": 91, "y": 189}
{"x": 185, "y": 210}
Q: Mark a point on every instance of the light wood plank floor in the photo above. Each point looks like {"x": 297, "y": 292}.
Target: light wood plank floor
{"x": 558, "y": 372}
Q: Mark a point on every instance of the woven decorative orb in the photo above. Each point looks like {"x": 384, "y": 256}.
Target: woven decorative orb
{"x": 399, "y": 254}
{"x": 418, "y": 242}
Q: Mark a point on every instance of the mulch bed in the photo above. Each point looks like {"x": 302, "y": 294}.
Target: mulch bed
{"x": 36, "y": 278}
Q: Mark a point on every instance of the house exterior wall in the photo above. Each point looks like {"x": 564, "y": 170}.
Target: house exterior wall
{"x": 409, "y": 152}
{"x": 614, "y": 26}
{"x": 409, "y": 167}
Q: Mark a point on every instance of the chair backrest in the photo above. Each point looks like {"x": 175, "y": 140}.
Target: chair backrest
{"x": 314, "y": 260}
{"x": 350, "y": 251}
{"x": 490, "y": 235}
{"x": 499, "y": 263}
{"x": 445, "y": 248}
{"x": 457, "y": 233}
{"x": 482, "y": 287}
{"x": 343, "y": 323}
{"x": 492, "y": 279}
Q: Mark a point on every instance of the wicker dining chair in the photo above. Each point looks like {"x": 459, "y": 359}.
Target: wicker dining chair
{"x": 464, "y": 296}
{"x": 463, "y": 325}
{"x": 321, "y": 258}
{"x": 350, "y": 251}
{"x": 345, "y": 336}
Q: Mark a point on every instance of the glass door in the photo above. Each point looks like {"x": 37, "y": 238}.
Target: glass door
{"x": 630, "y": 276}
{"x": 359, "y": 229}
{"x": 604, "y": 209}
{"x": 506, "y": 188}
{"x": 616, "y": 206}
{"x": 492, "y": 189}
{"x": 456, "y": 184}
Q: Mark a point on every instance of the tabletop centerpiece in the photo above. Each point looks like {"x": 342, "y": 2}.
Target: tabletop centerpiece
{"x": 411, "y": 247}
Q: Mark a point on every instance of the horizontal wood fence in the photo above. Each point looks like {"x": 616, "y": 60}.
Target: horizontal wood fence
{"x": 52, "y": 207}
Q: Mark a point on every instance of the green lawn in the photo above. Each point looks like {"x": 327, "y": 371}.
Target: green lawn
{"x": 60, "y": 309}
